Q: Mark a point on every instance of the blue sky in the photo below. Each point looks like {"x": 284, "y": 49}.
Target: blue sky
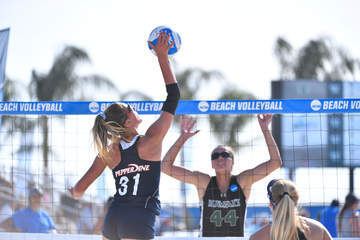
{"x": 234, "y": 37}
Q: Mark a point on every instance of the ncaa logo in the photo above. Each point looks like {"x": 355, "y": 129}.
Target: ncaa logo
{"x": 94, "y": 107}
{"x": 315, "y": 105}
{"x": 233, "y": 188}
{"x": 203, "y": 106}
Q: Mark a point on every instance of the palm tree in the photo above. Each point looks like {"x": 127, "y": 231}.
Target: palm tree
{"x": 318, "y": 59}
{"x": 13, "y": 91}
{"x": 230, "y": 125}
{"x": 193, "y": 79}
{"x": 62, "y": 83}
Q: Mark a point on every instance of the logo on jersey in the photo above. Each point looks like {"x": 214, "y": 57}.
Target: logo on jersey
{"x": 132, "y": 168}
{"x": 224, "y": 204}
{"x": 233, "y": 188}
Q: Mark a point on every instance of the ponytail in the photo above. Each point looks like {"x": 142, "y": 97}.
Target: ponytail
{"x": 285, "y": 220}
{"x": 107, "y": 129}
{"x": 284, "y": 223}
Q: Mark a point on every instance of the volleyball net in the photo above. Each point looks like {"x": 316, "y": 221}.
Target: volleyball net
{"x": 49, "y": 145}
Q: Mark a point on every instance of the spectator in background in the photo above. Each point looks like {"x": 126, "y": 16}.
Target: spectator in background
{"x": 99, "y": 223}
{"x": 348, "y": 219}
{"x": 31, "y": 219}
{"x": 85, "y": 223}
{"x": 328, "y": 217}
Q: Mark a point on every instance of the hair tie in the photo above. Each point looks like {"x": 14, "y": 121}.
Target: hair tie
{"x": 102, "y": 115}
{"x": 285, "y": 193}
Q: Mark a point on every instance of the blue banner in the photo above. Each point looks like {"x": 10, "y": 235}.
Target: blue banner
{"x": 189, "y": 107}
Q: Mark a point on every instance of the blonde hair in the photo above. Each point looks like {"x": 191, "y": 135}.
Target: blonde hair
{"x": 109, "y": 128}
{"x": 285, "y": 220}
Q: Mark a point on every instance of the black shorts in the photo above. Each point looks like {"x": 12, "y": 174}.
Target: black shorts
{"x": 123, "y": 221}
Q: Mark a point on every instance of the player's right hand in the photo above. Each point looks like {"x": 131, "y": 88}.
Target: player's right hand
{"x": 187, "y": 124}
{"x": 162, "y": 47}
{"x": 74, "y": 193}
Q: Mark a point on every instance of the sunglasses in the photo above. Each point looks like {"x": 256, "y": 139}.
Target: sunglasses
{"x": 224, "y": 154}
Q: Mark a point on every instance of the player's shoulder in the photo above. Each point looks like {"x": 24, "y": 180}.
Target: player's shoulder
{"x": 245, "y": 177}
{"x": 21, "y": 212}
{"x": 114, "y": 149}
{"x": 204, "y": 179}
{"x": 203, "y": 176}
{"x": 43, "y": 213}
{"x": 311, "y": 222}
{"x": 262, "y": 233}
{"x": 313, "y": 225}
{"x": 315, "y": 229}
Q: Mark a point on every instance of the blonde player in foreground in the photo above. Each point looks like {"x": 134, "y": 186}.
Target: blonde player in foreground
{"x": 223, "y": 196}
{"x": 286, "y": 224}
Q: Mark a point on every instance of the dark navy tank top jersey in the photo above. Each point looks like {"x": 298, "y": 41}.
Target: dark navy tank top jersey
{"x": 137, "y": 180}
{"x": 223, "y": 214}
{"x": 301, "y": 235}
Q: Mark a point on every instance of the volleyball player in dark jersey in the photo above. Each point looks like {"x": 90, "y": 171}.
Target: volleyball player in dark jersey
{"x": 133, "y": 159}
{"x": 286, "y": 224}
{"x": 223, "y": 196}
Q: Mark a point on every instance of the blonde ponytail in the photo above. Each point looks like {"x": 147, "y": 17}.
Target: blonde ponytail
{"x": 285, "y": 221}
{"x": 109, "y": 128}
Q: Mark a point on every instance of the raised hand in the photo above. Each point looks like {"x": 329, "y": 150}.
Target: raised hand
{"x": 162, "y": 46}
{"x": 264, "y": 120}
{"x": 187, "y": 124}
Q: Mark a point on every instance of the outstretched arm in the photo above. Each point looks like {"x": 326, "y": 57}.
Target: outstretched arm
{"x": 89, "y": 177}
{"x": 157, "y": 131}
{"x": 180, "y": 173}
{"x": 264, "y": 169}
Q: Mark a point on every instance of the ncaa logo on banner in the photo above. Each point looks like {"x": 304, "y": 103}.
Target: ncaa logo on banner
{"x": 203, "y": 106}
{"x": 315, "y": 105}
{"x": 94, "y": 107}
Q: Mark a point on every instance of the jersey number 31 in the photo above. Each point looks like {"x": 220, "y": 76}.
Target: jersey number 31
{"x": 124, "y": 180}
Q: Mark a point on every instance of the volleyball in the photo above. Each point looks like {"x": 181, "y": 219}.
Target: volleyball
{"x": 174, "y": 36}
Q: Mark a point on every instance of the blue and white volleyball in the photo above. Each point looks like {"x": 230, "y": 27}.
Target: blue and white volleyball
{"x": 174, "y": 36}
